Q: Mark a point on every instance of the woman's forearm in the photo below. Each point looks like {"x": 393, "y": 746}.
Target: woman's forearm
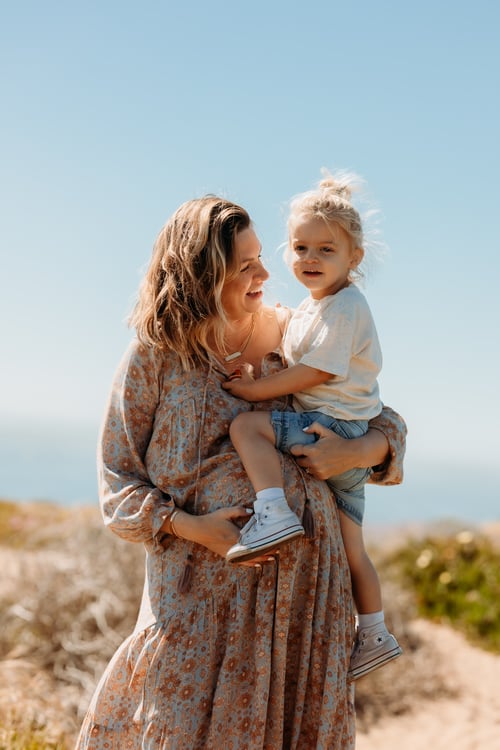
{"x": 372, "y": 449}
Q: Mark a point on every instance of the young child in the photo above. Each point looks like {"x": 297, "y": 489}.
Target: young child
{"x": 333, "y": 356}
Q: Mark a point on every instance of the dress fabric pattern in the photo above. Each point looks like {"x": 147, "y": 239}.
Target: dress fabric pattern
{"x": 248, "y": 658}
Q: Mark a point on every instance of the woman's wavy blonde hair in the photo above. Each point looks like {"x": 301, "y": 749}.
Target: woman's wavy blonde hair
{"x": 179, "y": 306}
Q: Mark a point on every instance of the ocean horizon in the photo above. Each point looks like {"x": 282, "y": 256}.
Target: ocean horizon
{"x": 57, "y": 464}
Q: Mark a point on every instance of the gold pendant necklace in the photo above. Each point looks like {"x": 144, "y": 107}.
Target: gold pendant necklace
{"x": 235, "y": 355}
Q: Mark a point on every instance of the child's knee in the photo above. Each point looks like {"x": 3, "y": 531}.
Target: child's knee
{"x": 237, "y": 426}
{"x": 244, "y": 423}
{"x": 249, "y": 424}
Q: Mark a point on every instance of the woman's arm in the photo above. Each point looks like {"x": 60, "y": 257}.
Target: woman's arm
{"x": 216, "y": 531}
{"x": 382, "y": 448}
{"x": 132, "y": 506}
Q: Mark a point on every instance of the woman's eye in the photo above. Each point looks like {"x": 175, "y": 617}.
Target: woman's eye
{"x": 248, "y": 266}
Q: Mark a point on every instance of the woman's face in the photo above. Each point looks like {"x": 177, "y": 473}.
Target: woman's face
{"x": 244, "y": 293}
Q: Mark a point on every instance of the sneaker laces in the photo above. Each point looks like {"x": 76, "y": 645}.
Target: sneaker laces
{"x": 253, "y": 521}
{"x": 256, "y": 520}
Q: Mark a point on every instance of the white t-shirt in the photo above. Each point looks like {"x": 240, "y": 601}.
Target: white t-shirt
{"x": 337, "y": 334}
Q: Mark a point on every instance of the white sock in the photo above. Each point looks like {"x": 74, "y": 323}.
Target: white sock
{"x": 268, "y": 495}
{"x": 369, "y": 621}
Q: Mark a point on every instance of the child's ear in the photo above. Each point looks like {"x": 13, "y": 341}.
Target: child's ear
{"x": 357, "y": 256}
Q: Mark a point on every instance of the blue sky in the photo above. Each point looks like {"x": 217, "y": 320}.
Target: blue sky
{"x": 114, "y": 113}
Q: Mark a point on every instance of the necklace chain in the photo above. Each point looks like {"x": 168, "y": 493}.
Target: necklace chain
{"x": 236, "y": 355}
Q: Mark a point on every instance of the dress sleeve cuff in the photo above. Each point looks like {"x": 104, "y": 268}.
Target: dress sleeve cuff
{"x": 161, "y": 512}
{"x": 394, "y": 428}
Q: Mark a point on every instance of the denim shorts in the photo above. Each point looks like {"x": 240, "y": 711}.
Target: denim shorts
{"x": 349, "y": 487}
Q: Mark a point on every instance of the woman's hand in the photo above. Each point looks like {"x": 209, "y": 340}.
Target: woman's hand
{"x": 216, "y": 531}
{"x": 331, "y": 454}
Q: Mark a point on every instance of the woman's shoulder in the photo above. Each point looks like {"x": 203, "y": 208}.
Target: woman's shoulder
{"x": 138, "y": 352}
{"x": 143, "y": 358}
{"x": 279, "y": 314}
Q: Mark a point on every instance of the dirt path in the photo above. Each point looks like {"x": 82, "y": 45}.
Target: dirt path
{"x": 469, "y": 722}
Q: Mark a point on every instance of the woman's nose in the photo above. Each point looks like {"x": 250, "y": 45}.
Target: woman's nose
{"x": 262, "y": 272}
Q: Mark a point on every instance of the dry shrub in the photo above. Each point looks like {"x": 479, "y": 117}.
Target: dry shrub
{"x": 69, "y": 598}
{"x": 32, "y": 715}
{"x": 70, "y": 593}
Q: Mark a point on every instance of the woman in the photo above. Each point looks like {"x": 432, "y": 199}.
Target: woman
{"x": 222, "y": 656}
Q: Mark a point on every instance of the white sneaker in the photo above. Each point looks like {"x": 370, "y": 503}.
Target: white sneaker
{"x": 373, "y": 648}
{"x": 271, "y": 525}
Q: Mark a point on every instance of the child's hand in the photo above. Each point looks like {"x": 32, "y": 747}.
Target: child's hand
{"x": 244, "y": 374}
{"x": 240, "y": 382}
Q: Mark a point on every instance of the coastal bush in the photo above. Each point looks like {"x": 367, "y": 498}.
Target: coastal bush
{"x": 455, "y": 580}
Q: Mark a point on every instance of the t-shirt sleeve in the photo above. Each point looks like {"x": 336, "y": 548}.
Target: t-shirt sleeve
{"x": 333, "y": 340}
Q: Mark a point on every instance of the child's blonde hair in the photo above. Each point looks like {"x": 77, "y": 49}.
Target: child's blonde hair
{"x": 331, "y": 201}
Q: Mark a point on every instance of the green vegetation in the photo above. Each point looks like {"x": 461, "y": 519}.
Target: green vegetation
{"x": 455, "y": 581}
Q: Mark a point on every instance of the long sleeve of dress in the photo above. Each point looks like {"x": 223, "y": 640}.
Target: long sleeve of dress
{"x": 130, "y": 503}
{"x": 394, "y": 428}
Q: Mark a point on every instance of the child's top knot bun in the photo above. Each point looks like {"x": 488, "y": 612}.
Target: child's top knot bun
{"x": 331, "y": 185}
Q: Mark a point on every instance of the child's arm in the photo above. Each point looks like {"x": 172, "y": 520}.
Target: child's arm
{"x": 294, "y": 379}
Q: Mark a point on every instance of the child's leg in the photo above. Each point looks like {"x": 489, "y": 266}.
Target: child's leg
{"x": 365, "y": 583}
{"x": 273, "y": 522}
{"x": 374, "y": 646}
{"x": 253, "y": 437}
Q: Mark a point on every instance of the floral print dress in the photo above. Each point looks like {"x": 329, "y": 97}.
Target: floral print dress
{"x": 246, "y": 658}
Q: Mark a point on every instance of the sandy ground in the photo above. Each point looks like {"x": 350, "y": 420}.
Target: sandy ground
{"x": 471, "y": 721}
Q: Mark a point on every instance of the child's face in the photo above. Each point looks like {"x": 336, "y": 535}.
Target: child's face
{"x": 322, "y": 255}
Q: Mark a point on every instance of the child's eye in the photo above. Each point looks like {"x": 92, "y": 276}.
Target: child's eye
{"x": 299, "y": 248}
{"x": 327, "y": 249}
